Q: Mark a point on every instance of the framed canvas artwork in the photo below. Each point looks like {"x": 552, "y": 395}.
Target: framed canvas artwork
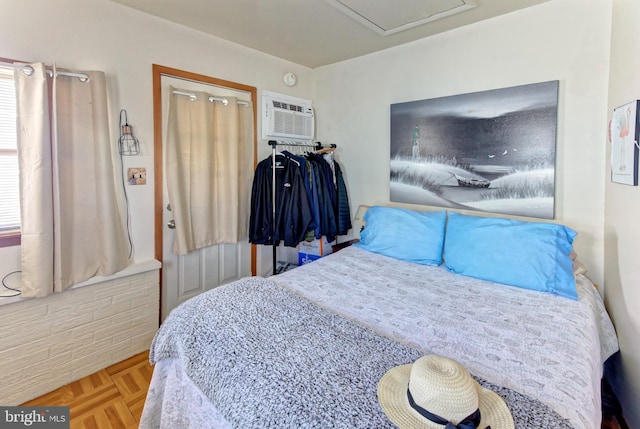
{"x": 624, "y": 144}
{"x": 491, "y": 151}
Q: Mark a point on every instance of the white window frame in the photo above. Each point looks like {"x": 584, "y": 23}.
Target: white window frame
{"x": 9, "y": 176}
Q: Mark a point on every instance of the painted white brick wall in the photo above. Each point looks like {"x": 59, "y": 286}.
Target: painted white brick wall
{"x": 52, "y": 341}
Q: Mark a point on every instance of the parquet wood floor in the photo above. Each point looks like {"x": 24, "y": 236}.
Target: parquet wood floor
{"x": 114, "y": 397}
{"x": 110, "y": 398}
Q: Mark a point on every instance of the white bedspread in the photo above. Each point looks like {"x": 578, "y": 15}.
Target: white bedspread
{"x": 539, "y": 344}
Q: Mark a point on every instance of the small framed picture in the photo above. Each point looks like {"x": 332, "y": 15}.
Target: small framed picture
{"x": 624, "y": 144}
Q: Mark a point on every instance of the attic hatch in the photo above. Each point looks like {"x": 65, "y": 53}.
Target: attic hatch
{"x": 387, "y": 17}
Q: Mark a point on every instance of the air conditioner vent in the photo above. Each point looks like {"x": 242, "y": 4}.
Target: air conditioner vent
{"x": 286, "y": 118}
{"x": 285, "y": 106}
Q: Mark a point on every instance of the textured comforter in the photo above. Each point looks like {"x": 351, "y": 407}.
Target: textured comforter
{"x": 266, "y": 358}
{"x": 535, "y": 347}
{"x": 545, "y": 346}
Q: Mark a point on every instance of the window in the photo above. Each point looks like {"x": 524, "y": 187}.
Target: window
{"x": 9, "y": 186}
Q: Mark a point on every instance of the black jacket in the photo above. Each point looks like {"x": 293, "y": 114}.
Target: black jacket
{"x": 293, "y": 213}
{"x": 343, "y": 214}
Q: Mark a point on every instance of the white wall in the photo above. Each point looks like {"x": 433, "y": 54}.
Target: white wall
{"x": 124, "y": 43}
{"x": 533, "y": 45}
{"x": 622, "y": 215}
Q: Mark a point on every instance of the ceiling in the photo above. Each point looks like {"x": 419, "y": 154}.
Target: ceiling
{"x": 314, "y": 33}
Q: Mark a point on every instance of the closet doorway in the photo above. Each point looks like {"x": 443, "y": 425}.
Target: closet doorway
{"x": 184, "y": 276}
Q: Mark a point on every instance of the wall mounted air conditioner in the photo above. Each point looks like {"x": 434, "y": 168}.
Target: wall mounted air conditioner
{"x": 286, "y": 118}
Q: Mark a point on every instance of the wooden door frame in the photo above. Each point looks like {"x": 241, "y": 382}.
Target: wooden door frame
{"x": 158, "y": 72}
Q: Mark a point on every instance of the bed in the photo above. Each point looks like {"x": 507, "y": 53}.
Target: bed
{"x": 307, "y": 347}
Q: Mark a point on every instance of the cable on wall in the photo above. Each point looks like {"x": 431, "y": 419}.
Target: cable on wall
{"x": 4, "y": 284}
{"x": 127, "y": 145}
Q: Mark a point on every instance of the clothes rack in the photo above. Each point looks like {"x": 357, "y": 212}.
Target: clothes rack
{"x": 274, "y": 144}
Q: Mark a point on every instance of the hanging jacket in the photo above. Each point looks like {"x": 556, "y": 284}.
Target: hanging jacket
{"x": 343, "y": 214}
{"x": 323, "y": 181}
{"x": 294, "y": 218}
{"x": 261, "y": 218}
{"x": 339, "y": 197}
{"x": 307, "y": 176}
{"x": 293, "y": 213}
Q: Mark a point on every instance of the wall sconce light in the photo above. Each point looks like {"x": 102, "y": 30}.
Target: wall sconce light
{"x": 128, "y": 143}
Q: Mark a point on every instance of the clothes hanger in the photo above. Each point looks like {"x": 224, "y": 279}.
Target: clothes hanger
{"x": 286, "y": 155}
{"x": 320, "y": 150}
{"x": 325, "y": 150}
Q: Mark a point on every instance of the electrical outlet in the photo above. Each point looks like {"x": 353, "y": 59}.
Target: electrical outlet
{"x": 137, "y": 176}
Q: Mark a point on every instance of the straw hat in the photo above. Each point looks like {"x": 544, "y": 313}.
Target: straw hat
{"x": 442, "y": 392}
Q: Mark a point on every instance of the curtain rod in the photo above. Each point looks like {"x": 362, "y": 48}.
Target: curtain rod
{"x": 28, "y": 71}
{"x": 224, "y": 101}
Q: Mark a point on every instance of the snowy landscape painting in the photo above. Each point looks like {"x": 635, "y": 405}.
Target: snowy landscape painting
{"x": 492, "y": 151}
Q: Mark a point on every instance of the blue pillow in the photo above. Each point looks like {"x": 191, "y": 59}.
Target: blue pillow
{"x": 410, "y": 235}
{"x": 524, "y": 254}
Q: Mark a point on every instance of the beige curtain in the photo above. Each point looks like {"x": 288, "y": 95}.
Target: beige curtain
{"x": 72, "y": 210}
{"x": 209, "y": 169}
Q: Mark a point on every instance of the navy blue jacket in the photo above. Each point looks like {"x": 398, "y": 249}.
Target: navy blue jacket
{"x": 293, "y": 213}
